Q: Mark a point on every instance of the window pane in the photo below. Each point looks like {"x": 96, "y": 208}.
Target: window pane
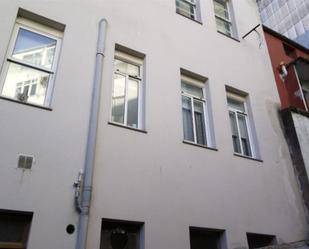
{"x": 235, "y": 135}
{"x": 306, "y": 95}
{"x": 193, "y": 90}
{"x": 33, "y": 90}
{"x": 238, "y": 105}
{"x": 49, "y": 57}
{"x": 118, "y": 99}
{"x": 116, "y": 234}
{"x": 221, "y": 9}
{"x": 132, "y": 116}
{"x": 132, "y": 243}
{"x": 126, "y": 68}
{"x": 18, "y": 81}
{"x": 305, "y": 88}
{"x": 14, "y": 228}
{"x": 11, "y": 230}
{"x": 199, "y": 122}
{"x": 187, "y": 119}
{"x": 133, "y": 70}
{"x": 34, "y": 48}
{"x": 223, "y": 26}
{"x": 185, "y": 8}
{"x": 26, "y": 90}
{"x": 244, "y": 135}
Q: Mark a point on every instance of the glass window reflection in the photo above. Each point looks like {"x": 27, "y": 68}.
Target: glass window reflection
{"x": 34, "y": 48}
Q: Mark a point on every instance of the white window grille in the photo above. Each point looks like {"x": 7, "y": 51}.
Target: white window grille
{"x": 240, "y": 125}
{"x": 127, "y": 96}
{"x": 194, "y": 111}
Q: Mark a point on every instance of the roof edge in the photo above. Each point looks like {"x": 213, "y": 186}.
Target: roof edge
{"x": 285, "y": 39}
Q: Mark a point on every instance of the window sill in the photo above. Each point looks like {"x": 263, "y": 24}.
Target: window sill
{"x": 194, "y": 20}
{"x": 127, "y": 127}
{"x": 231, "y": 37}
{"x": 199, "y": 145}
{"x": 247, "y": 157}
{"x": 17, "y": 245}
{"x": 25, "y": 103}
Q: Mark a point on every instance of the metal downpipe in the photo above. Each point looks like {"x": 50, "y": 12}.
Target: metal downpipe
{"x": 91, "y": 139}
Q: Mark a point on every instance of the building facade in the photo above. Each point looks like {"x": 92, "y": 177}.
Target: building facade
{"x": 288, "y": 17}
{"x": 290, "y": 63}
{"x": 189, "y": 151}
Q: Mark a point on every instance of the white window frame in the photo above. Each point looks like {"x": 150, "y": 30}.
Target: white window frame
{"x": 31, "y": 83}
{"x": 136, "y": 61}
{"x": 229, "y": 20}
{"x": 191, "y": 3}
{"x": 22, "y": 23}
{"x": 199, "y": 84}
{"x": 248, "y": 123}
{"x": 301, "y": 89}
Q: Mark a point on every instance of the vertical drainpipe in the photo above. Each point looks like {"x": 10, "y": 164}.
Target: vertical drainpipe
{"x": 91, "y": 140}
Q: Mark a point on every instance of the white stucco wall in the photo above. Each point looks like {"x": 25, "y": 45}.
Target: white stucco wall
{"x": 169, "y": 185}
{"x": 151, "y": 177}
{"x": 56, "y": 138}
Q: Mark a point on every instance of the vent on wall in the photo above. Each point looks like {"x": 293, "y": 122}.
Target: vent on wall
{"x": 25, "y": 162}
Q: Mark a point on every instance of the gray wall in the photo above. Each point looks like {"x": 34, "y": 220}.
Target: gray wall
{"x": 301, "y": 124}
{"x": 151, "y": 177}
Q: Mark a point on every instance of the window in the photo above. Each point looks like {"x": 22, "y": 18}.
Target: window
{"x": 260, "y": 240}
{"x": 207, "y": 238}
{"x": 302, "y": 69}
{"x": 188, "y": 8}
{"x": 289, "y": 51}
{"x": 127, "y": 97}
{"x": 29, "y": 70}
{"x": 117, "y": 234}
{"x": 305, "y": 88}
{"x": 223, "y": 17}
{"x": 14, "y": 229}
{"x": 240, "y": 128}
{"x": 194, "y": 114}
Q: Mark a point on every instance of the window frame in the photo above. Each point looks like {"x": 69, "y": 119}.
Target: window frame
{"x": 139, "y": 62}
{"x": 130, "y": 227}
{"x": 24, "y": 84}
{"x": 245, "y": 114}
{"x": 229, "y": 21}
{"x": 214, "y": 234}
{"x": 26, "y": 217}
{"x": 305, "y": 94}
{"x": 37, "y": 28}
{"x": 191, "y": 3}
{"x": 202, "y": 85}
